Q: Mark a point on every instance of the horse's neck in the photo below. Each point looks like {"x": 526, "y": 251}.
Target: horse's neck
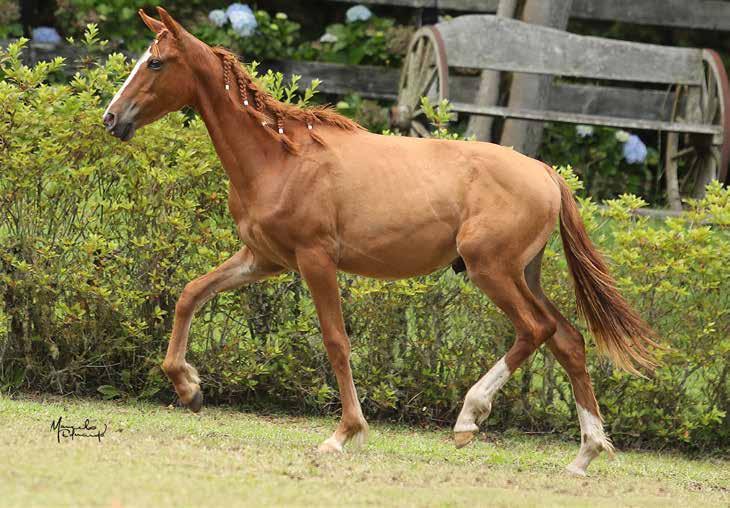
{"x": 243, "y": 148}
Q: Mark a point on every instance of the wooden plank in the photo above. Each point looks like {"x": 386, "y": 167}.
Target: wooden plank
{"x": 532, "y": 91}
{"x": 611, "y": 101}
{"x": 455, "y": 5}
{"x": 702, "y": 14}
{"x": 370, "y": 81}
{"x": 557, "y": 116}
{"x": 480, "y": 127}
{"x": 490, "y": 42}
{"x": 619, "y": 101}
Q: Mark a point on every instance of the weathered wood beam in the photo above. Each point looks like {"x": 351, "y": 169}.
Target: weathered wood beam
{"x": 618, "y": 101}
{"x": 704, "y": 14}
{"x": 454, "y": 5}
{"x": 606, "y": 121}
{"x": 531, "y": 91}
{"x": 700, "y": 14}
{"x": 488, "y": 92}
{"x": 490, "y": 42}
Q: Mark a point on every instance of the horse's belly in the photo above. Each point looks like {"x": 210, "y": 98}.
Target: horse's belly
{"x": 399, "y": 252}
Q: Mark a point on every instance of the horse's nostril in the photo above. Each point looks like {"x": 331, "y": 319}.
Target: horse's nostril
{"x": 109, "y": 120}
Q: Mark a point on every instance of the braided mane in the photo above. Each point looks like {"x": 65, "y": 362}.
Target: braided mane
{"x": 276, "y": 117}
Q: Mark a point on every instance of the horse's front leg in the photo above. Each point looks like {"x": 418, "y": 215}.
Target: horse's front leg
{"x": 320, "y": 274}
{"x": 239, "y": 269}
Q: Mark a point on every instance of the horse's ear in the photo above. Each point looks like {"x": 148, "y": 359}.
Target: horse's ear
{"x": 173, "y": 26}
{"x": 152, "y": 23}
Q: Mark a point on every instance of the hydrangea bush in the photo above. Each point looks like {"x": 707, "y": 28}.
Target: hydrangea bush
{"x": 254, "y": 34}
{"x": 609, "y": 161}
{"x": 363, "y": 39}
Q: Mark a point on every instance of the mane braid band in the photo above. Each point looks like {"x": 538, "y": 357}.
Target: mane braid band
{"x": 267, "y": 111}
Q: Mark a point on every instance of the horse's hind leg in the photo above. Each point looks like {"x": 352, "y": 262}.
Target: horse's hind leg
{"x": 498, "y": 273}
{"x": 569, "y": 348}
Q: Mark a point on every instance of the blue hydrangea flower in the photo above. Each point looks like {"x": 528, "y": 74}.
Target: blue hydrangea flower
{"x": 218, "y": 17}
{"x": 46, "y": 35}
{"x": 243, "y": 23}
{"x": 238, "y": 7}
{"x": 358, "y": 13}
{"x": 634, "y": 150}
{"x": 584, "y": 131}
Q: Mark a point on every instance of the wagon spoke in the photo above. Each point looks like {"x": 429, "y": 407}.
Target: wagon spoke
{"x": 716, "y": 154}
{"x": 415, "y": 62}
{"x": 427, "y": 63}
{"x": 420, "y": 129}
{"x": 710, "y": 101}
{"x": 690, "y": 150}
{"x": 689, "y": 175}
{"x": 426, "y": 87}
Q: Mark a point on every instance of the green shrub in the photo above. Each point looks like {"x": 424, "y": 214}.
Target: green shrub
{"x": 97, "y": 239}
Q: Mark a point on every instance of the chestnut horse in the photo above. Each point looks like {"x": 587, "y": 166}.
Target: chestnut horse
{"x": 310, "y": 191}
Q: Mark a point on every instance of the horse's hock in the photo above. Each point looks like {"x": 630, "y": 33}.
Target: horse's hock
{"x": 680, "y": 92}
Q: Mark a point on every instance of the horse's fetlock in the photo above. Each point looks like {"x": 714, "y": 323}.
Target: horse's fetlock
{"x": 171, "y": 368}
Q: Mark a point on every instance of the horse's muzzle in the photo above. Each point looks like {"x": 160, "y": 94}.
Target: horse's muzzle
{"x": 120, "y": 128}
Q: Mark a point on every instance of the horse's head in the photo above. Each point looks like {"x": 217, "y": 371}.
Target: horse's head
{"x": 162, "y": 81}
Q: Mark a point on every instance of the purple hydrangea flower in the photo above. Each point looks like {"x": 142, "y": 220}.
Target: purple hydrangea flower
{"x": 46, "y": 35}
{"x": 358, "y": 13}
{"x": 634, "y": 150}
{"x": 238, "y": 7}
{"x": 243, "y": 23}
{"x": 218, "y": 17}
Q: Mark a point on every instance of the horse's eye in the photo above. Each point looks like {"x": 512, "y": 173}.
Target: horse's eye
{"x": 154, "y": 64}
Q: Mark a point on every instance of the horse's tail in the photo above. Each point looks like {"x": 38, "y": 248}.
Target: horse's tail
{"x": 620, "y": 333}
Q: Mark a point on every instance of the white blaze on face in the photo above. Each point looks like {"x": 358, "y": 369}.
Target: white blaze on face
{"x": 129, "y": 79}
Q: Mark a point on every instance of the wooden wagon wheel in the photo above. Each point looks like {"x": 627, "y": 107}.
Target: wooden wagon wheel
{"x": 425, "y": 73}
{"x": 706, "y": 158}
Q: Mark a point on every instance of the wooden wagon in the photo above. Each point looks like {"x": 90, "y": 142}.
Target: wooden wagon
{"x": 682, "y": 92}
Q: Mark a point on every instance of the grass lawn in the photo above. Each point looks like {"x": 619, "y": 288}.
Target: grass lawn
{"x": 156, "y": 456}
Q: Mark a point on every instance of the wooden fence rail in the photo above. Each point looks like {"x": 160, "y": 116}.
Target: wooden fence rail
{"x": 699, "y": 14}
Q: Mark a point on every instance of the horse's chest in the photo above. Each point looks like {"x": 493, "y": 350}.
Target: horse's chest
{"x": 267, "y": 241}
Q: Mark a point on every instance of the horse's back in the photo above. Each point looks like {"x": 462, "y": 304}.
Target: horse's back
{"x": 402, "y": 201}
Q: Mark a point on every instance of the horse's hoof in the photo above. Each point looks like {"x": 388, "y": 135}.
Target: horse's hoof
{"x": 461, "y": 439}
{"x": 197, "y": 401}
{"x": 330, "y": 446}
{"x": 575, "y": 471}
